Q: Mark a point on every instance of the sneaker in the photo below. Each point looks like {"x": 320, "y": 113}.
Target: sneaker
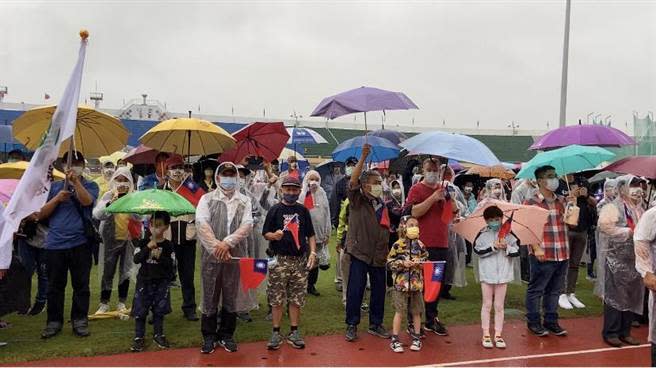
{"x": 161, "y": 341}
{"x": 379, "y": 330}
{"x": 208, "y": 345}
{"x": 499, "y": 342}
{"x": 339, "y": 287}
{"x": 138, "y": 345}
{"x": 416, "y": 345}
{"x": 555, "y": 329}
{"x": 537, "y": 329}
{"x": 396, "y": 346}
{"x": 486, "y": 341}
{"x": 228, "y": 344}
{"x": 191, "y": 316}
{"x": 296, "y": 340}
{"x": 102, "y": 308}
{"x": 245, "y": 316}
{"x": 437, "y": 328}
{"x": 629, "y": 340}
{"x": 564, "y": 302}
{"x": 37, "y": 308}
{"x": 351, "y": 333}
{"x": 411, "y": 331}
{"x": 122, "y": 308}
{"x": 51, "y": 330}
{"x": 313, "y": 291}
{"x": 275, "y": 341}
{"x": 614, "y": 342}
{"x": 574, "y": 301}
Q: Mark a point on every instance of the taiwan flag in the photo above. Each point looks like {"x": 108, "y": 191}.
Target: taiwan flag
{"x": 382, "y": 215}
{"x": 309, "y": 201}
{"x": 191, "y": 191}
{"x": 433, "y": 276}
{"x": 506, "y": 227}
{"x": 252, "y": 271}
{"x": 447, "y": 207}
{"x": 293, "y": 227}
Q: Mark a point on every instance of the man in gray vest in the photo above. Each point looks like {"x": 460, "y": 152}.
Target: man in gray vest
{"x": 224, "y": 221}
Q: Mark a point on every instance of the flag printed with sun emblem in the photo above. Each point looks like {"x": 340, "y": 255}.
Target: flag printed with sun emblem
{"x": 433, "y": 276}
{"x": 252, "y": 271}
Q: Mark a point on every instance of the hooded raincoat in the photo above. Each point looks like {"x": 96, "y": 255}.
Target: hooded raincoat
{"x": 316, "y": 201}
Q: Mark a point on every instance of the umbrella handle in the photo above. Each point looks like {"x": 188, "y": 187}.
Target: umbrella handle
{"x": 69, "y": 161}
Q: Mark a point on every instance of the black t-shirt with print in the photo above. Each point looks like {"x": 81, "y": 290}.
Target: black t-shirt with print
{"x": 281, "y": 215}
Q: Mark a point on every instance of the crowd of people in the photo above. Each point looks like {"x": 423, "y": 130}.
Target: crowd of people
{"x": 387, "y": 224}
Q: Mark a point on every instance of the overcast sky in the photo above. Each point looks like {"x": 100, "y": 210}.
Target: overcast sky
{"x": 492, "y": 61}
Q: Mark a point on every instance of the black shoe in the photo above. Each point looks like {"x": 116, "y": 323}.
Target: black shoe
{"x": 614, "y": 342}
{"x": 379, "y": 330}
{"x": 351, "y": 333}
{"x": 208, "y": 345}
{"x": 537, "y": 329}
{"x": 228, "y": 344}
{"x": 51, "y": 330}
{"x": 448, "y": 296}
{"x": 138, "y": 345}
{"x": 411, "y": 331}
{"x": 437, "y": 328}
{"x": 81, "y": 328}
{"x": 161, "y": 341}
{"x": 313, "y": 291}
{"x": 36, "y": 308}
{"x": 339, "y": 287}
{"x": 629, "y": 340}
{"x": 245, "y": 316}
{"x": 555, "y": 329}
{"x": 191, "y": 316}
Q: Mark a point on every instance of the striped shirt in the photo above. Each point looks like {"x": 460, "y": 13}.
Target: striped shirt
{"x": 554, "y": 243}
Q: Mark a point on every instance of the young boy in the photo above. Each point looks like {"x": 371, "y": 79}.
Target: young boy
{"x": 155, "y": 275}
{"x": 404, "y": 260}
{"x": 288, "y": 228}
{"x": 495, "y": 271}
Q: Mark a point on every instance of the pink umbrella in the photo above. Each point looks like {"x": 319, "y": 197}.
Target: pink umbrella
{"x": 7, "y": 188}
{"x": 141, "y": 155}
{"x": 527, "y": 224}
{"x": 635, "y": 165}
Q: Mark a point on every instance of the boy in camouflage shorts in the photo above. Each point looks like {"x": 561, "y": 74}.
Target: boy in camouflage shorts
{"x": 288, "y": 228}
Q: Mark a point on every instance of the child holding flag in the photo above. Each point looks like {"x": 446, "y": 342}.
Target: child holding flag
{"x": 288, "y": 228}
{"x": 405, "y": 261}
{"x": 495, "y": 246}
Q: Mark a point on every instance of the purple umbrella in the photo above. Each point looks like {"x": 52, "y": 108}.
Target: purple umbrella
{"x": 391, "y": 135}
{"x": 362, "y": 99}
{"x": 583, "y": 135}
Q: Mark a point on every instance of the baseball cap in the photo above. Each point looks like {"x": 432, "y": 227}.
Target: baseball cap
{"x": 291, "y": 181}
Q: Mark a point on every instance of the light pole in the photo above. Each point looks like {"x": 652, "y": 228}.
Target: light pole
{"x": 514, "y": 127}
{"x": 587, "y": 118}
{"x": 3, "y": 91}
{"x": 563, "y": 79}
{"x": 296, "y": 117}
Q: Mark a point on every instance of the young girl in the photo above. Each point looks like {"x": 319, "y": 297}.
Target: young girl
{"x": 155, "y": 275}
{"x": 404, "y": 260}
{"x": 495, "y": 271}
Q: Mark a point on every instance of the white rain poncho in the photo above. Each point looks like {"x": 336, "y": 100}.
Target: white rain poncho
{"x": 319, "y": 208}
{"x": 645, "y": 249}
{"x": 621, "y": 286}
{"x": 222, "y": 217}
{"x": 113, "y": 250}
{"x": 523, "y": 191}
{"x": 456, "y": 261}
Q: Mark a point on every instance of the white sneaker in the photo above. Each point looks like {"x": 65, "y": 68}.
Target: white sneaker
{"x": 574, "y": 301}
{"x": 102, "y": 308}
{"x": 122, "y": 308}
{"x": 564, "y": 303}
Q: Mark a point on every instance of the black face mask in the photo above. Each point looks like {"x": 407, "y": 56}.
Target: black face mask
{"x": 290, "y": 198}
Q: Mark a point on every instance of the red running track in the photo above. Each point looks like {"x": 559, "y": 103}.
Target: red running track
{"x": 583, "y": 347}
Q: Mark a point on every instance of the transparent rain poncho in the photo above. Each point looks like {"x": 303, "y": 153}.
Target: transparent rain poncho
{"x": 645, "y": 249}
{"x": 320, "y": 214}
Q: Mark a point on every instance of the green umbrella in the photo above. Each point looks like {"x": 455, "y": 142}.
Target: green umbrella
{"x": 567, "y": 160}
{"x": 152, "y": 200}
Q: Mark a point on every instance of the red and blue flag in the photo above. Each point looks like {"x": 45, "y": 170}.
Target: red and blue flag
{"x": 292, "y": 225}
{"x": 506, "y": 227}
{"x": 433, "y": 276}
{"x": 252, "y": 271}
{"x": 191, "y": 191}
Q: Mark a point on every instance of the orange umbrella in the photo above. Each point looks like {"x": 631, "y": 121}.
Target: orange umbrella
{"x": 527, "y": 223}
{"x": 497, "y": 171}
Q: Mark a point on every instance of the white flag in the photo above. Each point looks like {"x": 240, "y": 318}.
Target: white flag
{"x": 32, "y": 191}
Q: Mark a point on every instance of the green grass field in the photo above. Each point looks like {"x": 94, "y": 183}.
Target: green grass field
{"x": 321, "y": 316}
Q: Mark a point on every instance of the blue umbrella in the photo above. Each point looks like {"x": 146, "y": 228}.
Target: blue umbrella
{"x": 453, "y": 146}
{"x": 381, "y": 149}
{"x": 391, "y": 135}
{"x": 304, "y": 136}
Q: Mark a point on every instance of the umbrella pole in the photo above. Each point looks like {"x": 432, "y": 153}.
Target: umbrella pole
{"x": 69, "y": 159}
{"x": 189, "y": 147}
{"x": 365, "y": 123}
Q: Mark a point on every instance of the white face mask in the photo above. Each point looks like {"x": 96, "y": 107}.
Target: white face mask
{"x": 552, "y": 184}
{"x": 122, "y": 187}
{"x": 209, "y": 172}
{"x": 313, "y": 184}
{"x": 242, "y": 182}
{"x": 431, "y": 177}
{"x": 468, "y": 190}
{"x": 496, "y": 193}
{"x": 78, "y": 170}
{"x": 176, "y": 174}
{"x": 108, "y": 172}
{"x": 376, "y": 190}
{"x": 635, "y": 193}
{"x": 349, "y": 170}
{"x": 396, "y": 192}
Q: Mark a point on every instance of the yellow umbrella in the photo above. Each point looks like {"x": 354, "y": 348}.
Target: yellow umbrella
{"x": 188, "y": 136}
{"x": 15, "y": 170}
{"x": 96, "y": 133}
{"x": 497, "y": 171}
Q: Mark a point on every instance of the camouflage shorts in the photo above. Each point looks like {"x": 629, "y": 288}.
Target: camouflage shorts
{"x": 404, "y": 300}
{"x": 288, "y": 281}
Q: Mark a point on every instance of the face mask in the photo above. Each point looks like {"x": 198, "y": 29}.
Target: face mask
{"x": 108, "y": 172}
{"x": 468, "y": 190}
{"x": 242, "y": 182}
{"x": 610, "y": 194}
{"x": 209, "y": 172}
{"x": 176, "y": 174}
{"x": 77, "y": 170}
{"x": 431, "y": 177}
{"x": 290, "y": 198}
{"x": 158, "y": 231}
{"x": 396, "y": 192}
{"x": 635, "y": 193}
{"x": 496, "y": 193}
{"x": 552, "y": 184}
{"x": 228, "y": 183}
{"x": 349, "y": 170}
{"x": 412, "y": 232}
{"x": 313, "y": 184}
{"x": 122, "y": 187}
{"x": 376, "y": 190}
{"x": 494, "y": 225}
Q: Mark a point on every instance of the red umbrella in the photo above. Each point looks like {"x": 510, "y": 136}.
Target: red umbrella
{"x": 265, "y": 140}
{"x": 141, "y": 155}
{"x": 635, "y": 165}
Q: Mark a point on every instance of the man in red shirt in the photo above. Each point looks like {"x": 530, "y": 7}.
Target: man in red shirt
{"x": 427, "y": 201}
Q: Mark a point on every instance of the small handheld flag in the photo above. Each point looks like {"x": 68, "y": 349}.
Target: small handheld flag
{"x": 309, "y": 201}
{"x": 252, "y": 271}
{"x": 506, "y": 227}
{"x": 447, "y": 208}
{"x": 191, "y": 191}
{"x": 292, "y": 226}
{"x": 629, "y": 219}
{"x": 433, "y": 276}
